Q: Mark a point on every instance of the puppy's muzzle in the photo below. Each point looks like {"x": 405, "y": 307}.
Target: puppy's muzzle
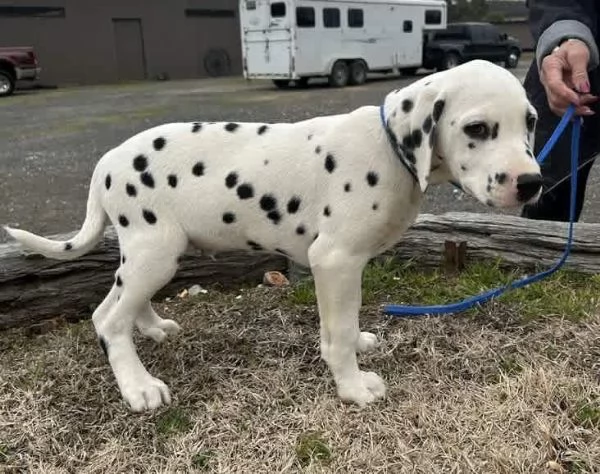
{"x": 528, "y": 185}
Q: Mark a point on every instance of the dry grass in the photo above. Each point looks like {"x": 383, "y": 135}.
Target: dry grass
{"x": 492, "y": 391}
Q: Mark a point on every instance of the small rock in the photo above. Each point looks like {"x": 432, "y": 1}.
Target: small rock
{"x": 275, "y": 279}
{"x": 183, "y": 294}
{"x": 553, "y": 466}
{"x": 196, "y": 290}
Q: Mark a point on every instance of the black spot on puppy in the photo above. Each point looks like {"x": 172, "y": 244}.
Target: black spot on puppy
{"x": 327, "y": 211}
{"x": 68, "y": 246}
{"x": 119, "y": 281}
{"x": 438, "y": 108}
{"x": 108, "y": 181}
{"x": 262, "y": 129}
{"x": 159, "y": 143}
{"x": 300, "y": 230}
{"x": 488, "y": 188}
{"x": 274, "y": 216}
{"x": 147, "y": 179}
{"x": 417, "y": 138}
{"x": 427, "y": 124}
{"x": 329, "y": 163}
{"x": 140, "y": 163}
{"x": 501, "y": 178}
{"x": 432, "y": 137}
{"x": 254, "y": 246}
{"x": 318, "y": 150}
{"x": 293, "y": 205}
{"x": 172, "y": 180}
{"x": 123, "y": 259}
{"x": 375, "y": 206}
{"x": 407, "y": 105}
{"x": 229, "y": 218}
{"x": 130, "y": 190}
{"x": 245, "y": 191}
{"x": 471, "y": 145}
{"x": 232, "y": 127}
{"x": 231, "y": 180}
{"x": 149, "y": 216}
{"x": 310, "y": 136}
{"x": 347, "y": 187}
{"x": 495, "y": 130}
{"x": 123, "y": 220}
{"x": 407, "y": 142}
{"x": 196, "y": 127}
{"x": 198, "y": 169}
{"x": 372, "y": 178}
{"x": 103, "y": 346}
{"x": 268, "y": 202}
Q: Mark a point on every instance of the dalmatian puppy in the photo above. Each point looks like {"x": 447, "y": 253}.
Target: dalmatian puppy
{"x": 330, "y": 193}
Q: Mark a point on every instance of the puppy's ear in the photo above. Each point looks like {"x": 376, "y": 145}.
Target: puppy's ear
{"x": 413, "y": 120}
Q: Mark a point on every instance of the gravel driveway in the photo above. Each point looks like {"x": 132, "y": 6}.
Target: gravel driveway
{"x": 52, "y": 139}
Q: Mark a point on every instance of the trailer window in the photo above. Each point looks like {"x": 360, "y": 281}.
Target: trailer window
{"x": 250, "y": 5}
{"x": 305, "y": 17}
{"x": 277, "y": 9}
{"x": 407, "y": 26}
{"x": 433, "y": 17}
{"x": 331, "y": 17}
{"x": 355, "y": 18}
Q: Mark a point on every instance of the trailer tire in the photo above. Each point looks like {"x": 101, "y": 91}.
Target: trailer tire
{"x": 281, "y": 83}
{"x": 340, "y": 74}
{"x": 358, "y": 73}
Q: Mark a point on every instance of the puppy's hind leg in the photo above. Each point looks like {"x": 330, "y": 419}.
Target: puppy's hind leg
{"x": 151, "y": 264}
{"x": 338, "y": 275}
{"x": 153, "y": 326}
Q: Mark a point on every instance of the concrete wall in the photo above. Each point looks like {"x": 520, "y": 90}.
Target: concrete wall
{"x": 81, "y": 47}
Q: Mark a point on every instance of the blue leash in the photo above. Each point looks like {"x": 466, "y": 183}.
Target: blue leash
{"x": 401, "y": 310}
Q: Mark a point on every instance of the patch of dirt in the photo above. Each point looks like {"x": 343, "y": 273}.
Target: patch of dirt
{"x": 485, "y": 393}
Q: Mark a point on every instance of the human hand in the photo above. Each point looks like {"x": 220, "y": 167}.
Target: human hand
{"x": 564, "y": 74}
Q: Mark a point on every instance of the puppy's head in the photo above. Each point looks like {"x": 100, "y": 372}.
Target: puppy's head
{"x": 472, "y": 125}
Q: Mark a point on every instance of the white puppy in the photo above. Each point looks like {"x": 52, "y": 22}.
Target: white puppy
{"x": 330, "y": 193}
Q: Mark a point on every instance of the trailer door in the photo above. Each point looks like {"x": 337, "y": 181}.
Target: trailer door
{"x": 267, "y": 38}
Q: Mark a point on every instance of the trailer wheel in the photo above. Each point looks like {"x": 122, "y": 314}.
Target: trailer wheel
{"x": 281, "y": 83}
{"x": 358, "y": 73}
{"x": 449, "y": 61}
{"x": 340, "y": 74}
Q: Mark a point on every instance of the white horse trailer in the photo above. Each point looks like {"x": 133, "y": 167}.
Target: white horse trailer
{"x": 342, "y": 40}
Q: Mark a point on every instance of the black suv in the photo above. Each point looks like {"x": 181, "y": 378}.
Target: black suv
{"x": 460, "y": 42}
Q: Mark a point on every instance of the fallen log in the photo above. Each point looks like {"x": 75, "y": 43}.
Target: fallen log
{"x": 516, "y": 241}
{"x": 34, "y": 289}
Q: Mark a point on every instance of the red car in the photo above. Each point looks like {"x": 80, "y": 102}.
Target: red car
{"x": 17, "y": 64}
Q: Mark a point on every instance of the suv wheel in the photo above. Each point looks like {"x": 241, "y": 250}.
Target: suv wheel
{"x": 7, "y": 83}
{"x": 340, "y": 74}
{"x": 449, "y": 61}
{"x": 512, "y": 60}
{"x": 358, "y": 73}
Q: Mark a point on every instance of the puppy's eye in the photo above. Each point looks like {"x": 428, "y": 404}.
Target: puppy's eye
{"x": 478, "y": 130}
{"x": 531, "y": 120}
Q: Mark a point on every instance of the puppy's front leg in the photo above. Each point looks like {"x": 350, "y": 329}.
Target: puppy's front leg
{"x": 338, "y": 276}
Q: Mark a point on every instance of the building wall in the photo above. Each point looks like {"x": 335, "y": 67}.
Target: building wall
{"x": 81, "y": 46}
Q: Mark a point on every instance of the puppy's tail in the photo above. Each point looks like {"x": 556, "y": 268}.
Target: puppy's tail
{"x": 89, "y": 235}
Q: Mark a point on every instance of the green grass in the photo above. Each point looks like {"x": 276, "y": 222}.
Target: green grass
{"x": 202, "y": 459}
{"x": 173, "y": 421}
{"x": 564, "y": 294}
{"x": 587, "y": 415}
{"x": 310, "y": 447}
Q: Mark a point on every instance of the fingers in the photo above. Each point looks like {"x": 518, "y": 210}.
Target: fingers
{"x": 565, "y": 70}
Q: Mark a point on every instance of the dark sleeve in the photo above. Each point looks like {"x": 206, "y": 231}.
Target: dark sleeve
{"x": 552, "y": 21}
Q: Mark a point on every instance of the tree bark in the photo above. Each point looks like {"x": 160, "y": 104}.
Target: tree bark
{"x": 34, "y": 289}
{"x": 516, "y": 241}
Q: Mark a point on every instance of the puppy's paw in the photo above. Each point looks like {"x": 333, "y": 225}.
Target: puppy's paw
{"x": 145, "y": 392}
{"x": 160, "y": 329}
{"x": 366, "y": 342}
{"x": 362, "y": 390}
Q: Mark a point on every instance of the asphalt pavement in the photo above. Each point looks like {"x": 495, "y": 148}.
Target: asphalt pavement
{"x": 51, "y": 139}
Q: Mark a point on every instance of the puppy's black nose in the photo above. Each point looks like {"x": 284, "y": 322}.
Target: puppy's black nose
{"x": 528, "y": 185}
